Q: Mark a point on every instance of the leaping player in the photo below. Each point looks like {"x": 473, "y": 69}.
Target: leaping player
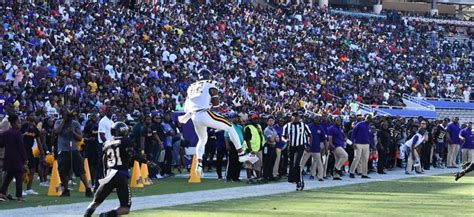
{"x": 466, "y": 168}
{"x": 202, "y": 95}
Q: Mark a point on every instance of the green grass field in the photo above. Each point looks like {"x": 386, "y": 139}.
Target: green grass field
{"x": 424, "y": 196}
{"x": 165, "y": 186}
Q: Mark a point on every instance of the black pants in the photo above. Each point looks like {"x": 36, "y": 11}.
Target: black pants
{"x": 391, "y": 156}
{"x": 331, "y": 163}
{"x": 233, "y": 164}
{"x": 269, "y": 155}
{"x": 168, "y": 160}
{"x": 283, "y": 167}
{"x": 18, "y": 183}
{"x": 90, "y": 152}
{"x": 295, "y": 153}
{"x": 350, "y": 154}
{"x": 119, "y": 182}
{"x": 99, "y": 167}
{"x": 221, "y": 152}
{"x": 382, "y": 159}
{"x": 425, "y": 156}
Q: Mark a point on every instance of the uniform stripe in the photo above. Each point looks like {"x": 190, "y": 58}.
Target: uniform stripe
{"x": 297, "y": 134}
{"x": 220, "y": 119}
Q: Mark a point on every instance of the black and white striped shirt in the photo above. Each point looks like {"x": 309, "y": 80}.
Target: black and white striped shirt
{"x": 296, "y": 133}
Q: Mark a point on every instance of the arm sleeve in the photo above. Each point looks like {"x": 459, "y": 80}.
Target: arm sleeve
{"x": 285, "y": 131}
{"x": 267, "y": 133}
{"x": 101, "y": 127}
{"x": 415, "y": 140}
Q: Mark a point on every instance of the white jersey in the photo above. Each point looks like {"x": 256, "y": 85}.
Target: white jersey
{"x": 198, "y": 96}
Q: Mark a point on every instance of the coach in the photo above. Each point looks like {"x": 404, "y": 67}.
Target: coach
{"x": 336, "y": 139}
{"x": 361, "y": 139}
{"x": 297, "y": 134}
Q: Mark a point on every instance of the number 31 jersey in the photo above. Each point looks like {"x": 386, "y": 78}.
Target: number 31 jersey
{"x": 116, "y": 155}
{"x": 198, "y": 95}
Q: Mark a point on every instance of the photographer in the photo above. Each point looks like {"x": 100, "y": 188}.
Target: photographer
{"x": 69, "y": 134}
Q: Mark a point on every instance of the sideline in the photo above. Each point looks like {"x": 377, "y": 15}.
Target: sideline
{"x": 166, "y": 200}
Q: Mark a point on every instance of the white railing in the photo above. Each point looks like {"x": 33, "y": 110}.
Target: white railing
{"x": 418, "y": 101}
{"x": 453, "y": 99}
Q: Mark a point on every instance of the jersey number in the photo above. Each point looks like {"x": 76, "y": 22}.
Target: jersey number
{"x": 195, "y": 89}
{"x": 113, "y": 157}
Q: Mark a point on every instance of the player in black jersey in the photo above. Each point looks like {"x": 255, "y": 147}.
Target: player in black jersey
{"x": 118, "y": 154}
{"x": 440, "y": 139}
{"x": 466, "y": 168}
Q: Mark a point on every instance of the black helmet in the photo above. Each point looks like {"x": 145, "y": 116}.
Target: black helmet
{"x": 119, "y": 129}
{"x": 204, "y": 74}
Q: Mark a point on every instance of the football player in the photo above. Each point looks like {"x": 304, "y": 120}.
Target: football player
{"x": 202, "y": 95}
{"x": 118, "y": 154}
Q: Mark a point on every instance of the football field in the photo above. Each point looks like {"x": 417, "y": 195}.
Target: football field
{"x": 434, "y": 193}
{"x": 419, "y": 196}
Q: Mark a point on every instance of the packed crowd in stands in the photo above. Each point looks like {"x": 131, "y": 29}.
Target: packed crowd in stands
{"x": 87, "y": 59}
{"x": 265, "y": 59}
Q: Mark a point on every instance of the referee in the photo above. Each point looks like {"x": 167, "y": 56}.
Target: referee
{"x": 297, "y": 135}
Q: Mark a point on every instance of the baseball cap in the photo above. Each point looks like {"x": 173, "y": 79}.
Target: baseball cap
{"x": 254, "y": 115}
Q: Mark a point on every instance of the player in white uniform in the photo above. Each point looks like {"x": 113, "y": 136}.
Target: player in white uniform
{"x": 201, "y": 97}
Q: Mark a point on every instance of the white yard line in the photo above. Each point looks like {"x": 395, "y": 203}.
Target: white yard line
{"x": 166, "y": 200}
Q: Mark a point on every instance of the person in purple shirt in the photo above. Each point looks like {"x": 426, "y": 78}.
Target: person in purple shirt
{"x": 318, "y": 134}
{"x": 279, "y": 150}
{"x": 467, "y": 144}
{"x": 336, "y": 143}
{"x": 453, "y": 143}
{"x": 15, "y": 158}
{"x": 361, "y": 138}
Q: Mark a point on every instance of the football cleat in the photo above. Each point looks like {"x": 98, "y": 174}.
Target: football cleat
{"x": 458, "y": 175}
{"x": 199, "y": 170}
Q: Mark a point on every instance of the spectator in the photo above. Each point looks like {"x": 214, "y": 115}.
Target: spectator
{"x": 15, "y": 158}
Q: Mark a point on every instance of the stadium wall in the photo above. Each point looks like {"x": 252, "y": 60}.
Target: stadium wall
{"x": 417, "y": 7}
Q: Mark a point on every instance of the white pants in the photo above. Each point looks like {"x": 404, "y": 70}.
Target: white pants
{"x": 204, "y": 119}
